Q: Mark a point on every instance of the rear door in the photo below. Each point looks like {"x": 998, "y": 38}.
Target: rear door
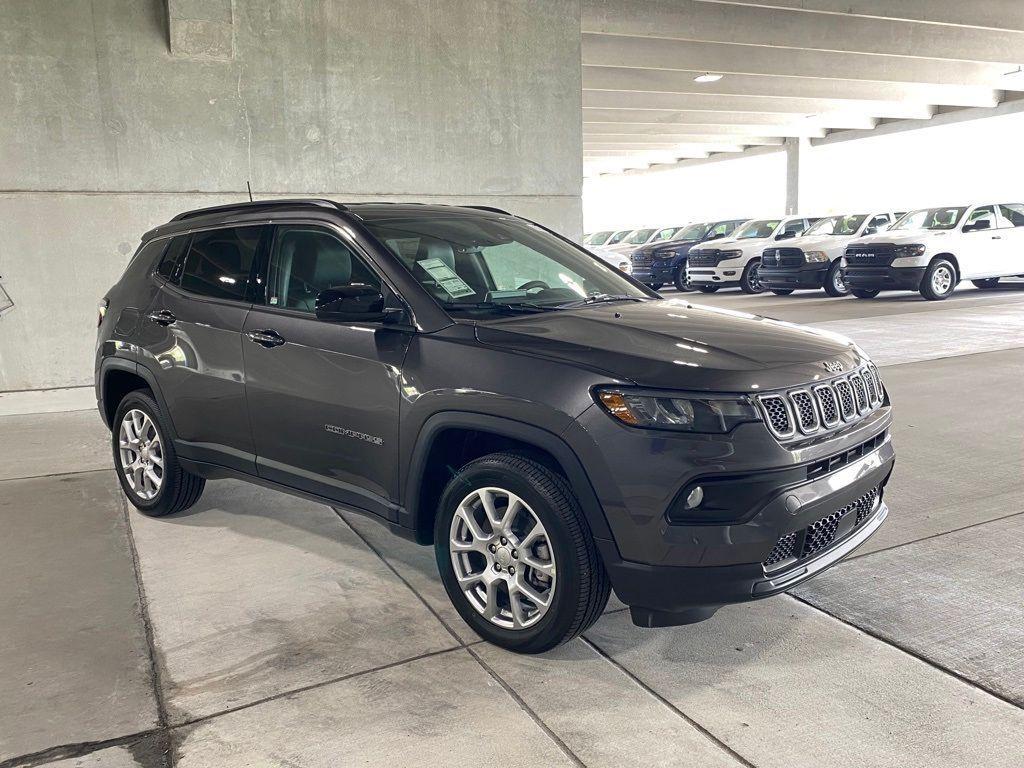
{"x": 192, "y": 342}
{"x": 323, "y": 395}
{"x": 1011, "y": 227}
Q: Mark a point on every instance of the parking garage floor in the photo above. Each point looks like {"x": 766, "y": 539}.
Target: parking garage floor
{"x": 259, "y": 629}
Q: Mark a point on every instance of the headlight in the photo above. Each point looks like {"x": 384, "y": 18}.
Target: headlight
{"x": 731, "y": 254}
{"x": 683, "y": 413}
{"x": 905, "y": 251}
{"x": 815, "y": 256}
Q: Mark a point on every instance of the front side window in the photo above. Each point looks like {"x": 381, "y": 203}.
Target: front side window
{"x": 307, "y": 260}
{"x": 1013, "y": 213}
{"x": 219, "y": 261}
{"x": 877, "y": 224}
{"x": 723, "y": 229}
{"x": 665, "y": 234}
{"x": 489, "y": 267}
{"x": 618, "y": 237}
{"x": 930, "y": 218}
{"x": 981, "y": 218}
{"x": 599, "y": 238}
{"x": 639, "y": 236}
{"x": 758, "y": 229}
{"x": 692, "y": 232}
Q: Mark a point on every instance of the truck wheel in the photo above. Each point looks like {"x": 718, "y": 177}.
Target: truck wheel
{"x": 750, "y": 282}
{"x": 516, "y": 555}
{"x": 834, "y": 283}
{"x": 708, "y": 288}
{"x": 679, "y": 279}
{"x": 987, "y": 284}
{"x": 655, "y": 286}
{"x": 864, "y": 293}
{"x": 147, "y": 466}
{"x": 782, "y": 291}
{"x": 939, "y": 280}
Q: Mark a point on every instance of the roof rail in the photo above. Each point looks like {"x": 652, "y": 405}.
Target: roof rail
{"x": 258, "y": 205}
{"x": 490, "y": 208}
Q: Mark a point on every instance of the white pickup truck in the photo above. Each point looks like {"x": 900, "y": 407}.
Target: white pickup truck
{"x": 933, "y": 249}
{"x": 737, "y": 259}
{"x": 813, "y": 260}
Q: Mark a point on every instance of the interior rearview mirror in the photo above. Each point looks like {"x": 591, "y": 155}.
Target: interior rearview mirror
{"x": 355, "y": 303}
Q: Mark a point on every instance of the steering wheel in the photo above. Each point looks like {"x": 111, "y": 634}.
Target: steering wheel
{"x": 532, "y": 284}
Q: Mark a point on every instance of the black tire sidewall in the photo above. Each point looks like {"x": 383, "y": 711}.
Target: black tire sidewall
{"x": 745, "y": 285}
{"x": 708, "y": 288}
{"x": 830, "y": 281}
{"x": 559, "y": 617}
{"x": 782, "y": 291}
{"x": 142, "y": 401}
{"x": 926, "y": 281}
{"x": 864, "y": 294}
{"x": 679, "y": 279}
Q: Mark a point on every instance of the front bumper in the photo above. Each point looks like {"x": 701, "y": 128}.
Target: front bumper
{"x": 809, "y": 276}
{"x": 884, "y": 278}
{"x": 725, "y": 274}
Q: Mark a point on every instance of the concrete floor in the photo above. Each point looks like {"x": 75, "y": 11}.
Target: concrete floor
{"x": 258, "y": 629}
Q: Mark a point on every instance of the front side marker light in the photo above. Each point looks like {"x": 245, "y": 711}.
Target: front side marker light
{"x": 101, "y": 310}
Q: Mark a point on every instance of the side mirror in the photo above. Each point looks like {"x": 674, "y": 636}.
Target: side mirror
{"x": 356, "y": 303}
{"x": 717, "y": 236}
{"x": 979, "y": 224}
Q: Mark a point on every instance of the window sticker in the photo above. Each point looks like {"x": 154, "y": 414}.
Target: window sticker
{"x": 446, "y": 278}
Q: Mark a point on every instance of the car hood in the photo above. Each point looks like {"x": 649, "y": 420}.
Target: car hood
{"x": 672, "y": 344}
{"x": 670, "y": 245}
{"x": 821, "y": 242}
{"x": 901, "y": 237}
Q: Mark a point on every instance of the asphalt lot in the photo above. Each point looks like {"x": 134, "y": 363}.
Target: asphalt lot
{"x": 260, "y": 629}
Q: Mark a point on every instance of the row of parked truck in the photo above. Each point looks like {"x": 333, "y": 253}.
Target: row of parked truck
{"x": 928, "y": 250}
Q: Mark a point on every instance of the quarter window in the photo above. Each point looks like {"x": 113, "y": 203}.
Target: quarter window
{"x": 219, "y": 261}
{"x": 166, "y": 266}
{"x": 1013, "y": 213}
{"x": 306, "y": 261}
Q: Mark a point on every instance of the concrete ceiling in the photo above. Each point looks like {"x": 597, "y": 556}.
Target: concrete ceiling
{"x": 790, "y": 68}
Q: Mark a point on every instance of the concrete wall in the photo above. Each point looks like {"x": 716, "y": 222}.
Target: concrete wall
{"x": 116, "y": 114}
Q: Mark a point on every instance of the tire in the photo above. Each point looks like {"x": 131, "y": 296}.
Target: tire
{"x": 177, "y": 489}
{"x": 655, "y": 286}
{"x": 939, "y": 280}
{"x": 580, "y": 584}
{"x": 987, "y": 284}
{"x": 679, "y": 279}
{"x": 834, "y": 285}
{"x": 708, "y": 288}
{"x": 782, "y": 291}
{"x": 749, "y": 283}
{"x": 864, "y": 293}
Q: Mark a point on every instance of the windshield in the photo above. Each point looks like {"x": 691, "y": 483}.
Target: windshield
{"x": 640, "y": 236}
{"x": 598, "y": 238}
{"x": 618, "y": 236}
{"x": 692, "y": 232}
{"x": 488, "y": 267}
{"x": 838, "y": 225}
{"x": 758, "y": 229}
{"x": 930, "y": 218}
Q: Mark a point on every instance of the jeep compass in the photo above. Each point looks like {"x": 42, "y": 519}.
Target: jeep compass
{"x": 478, "y": 383}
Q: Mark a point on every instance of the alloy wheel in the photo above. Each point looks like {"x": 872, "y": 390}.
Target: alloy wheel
{"x": 502, "y": 558}
{"x": 141, "y": 453}
{"x": 942, "y": 279}
{"x": 837, "y": 282}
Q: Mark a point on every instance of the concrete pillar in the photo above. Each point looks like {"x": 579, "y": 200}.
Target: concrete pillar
{"x": 796, "y": 156}
{"x": 201, "y": 29}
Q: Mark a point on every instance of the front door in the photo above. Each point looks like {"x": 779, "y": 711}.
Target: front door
{"x": 191, "y": 341}
{"x": 983, "y": 248}
{"x": 323, "y": 396}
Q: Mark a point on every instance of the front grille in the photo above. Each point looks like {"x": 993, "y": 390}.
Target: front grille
{"x": 641, "y": 259}
{"x": 827, "y": 406}
{"x": 870, "y": 255}
{"x": 782, "y": 257}
{"x": 705, "y": 257}
{"x": 840, "y": 460}
{"x": 795, "y": 546}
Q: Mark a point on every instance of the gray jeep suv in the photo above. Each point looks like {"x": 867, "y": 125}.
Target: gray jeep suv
{"x": 476, "y": 382}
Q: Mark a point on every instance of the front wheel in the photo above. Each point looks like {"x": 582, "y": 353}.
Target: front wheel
{"x": 708, "y": 288}
{"x": 516, "y": 555}
{"x": 679, "y": 279}
{"x": 987, "y": 284}
{"x": 834, "y": 283}
{"x": 655, "y": 286}
{"x": 864, "y": 293}
{"x": 939, "y": 280}
{"x": 751, "y": 280}
{"x": 147, "y": 466}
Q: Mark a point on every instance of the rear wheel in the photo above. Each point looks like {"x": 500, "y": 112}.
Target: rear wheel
{"x": 782, "y": 291}
{"x": 987, "y": 284}
{"x": 679, "y": 279}
{"x": 939, "y": 280}
{"x": 516, "y": 555}
{"x": 707, "y": 288}
{"x": 751, "y": 280}
{"x": 655, "y": 286}
{"x": 147, "y": 466}
{"x": 834, "y": 283}
{"x": 864, "y": 293}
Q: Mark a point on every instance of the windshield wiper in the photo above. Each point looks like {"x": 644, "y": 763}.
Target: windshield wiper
{"x": 520, "y": 306}
{"x": 598, "y": 298}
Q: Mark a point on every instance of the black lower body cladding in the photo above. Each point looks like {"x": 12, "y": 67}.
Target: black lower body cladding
{"x": 884, "y": 278}
{"x": 784, "y": 278}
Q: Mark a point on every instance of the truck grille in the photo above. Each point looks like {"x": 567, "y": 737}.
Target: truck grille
{"x": 793, "y": 547}
{"x": 824, "y": 407}
{"x": 782, "y": 257}
{"x": 880, "y": 255}
{"x": 705, "y": 257}
{"x": 641, "y": 259}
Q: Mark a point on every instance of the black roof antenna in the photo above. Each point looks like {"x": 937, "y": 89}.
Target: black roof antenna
{"x": 249, "y": 187}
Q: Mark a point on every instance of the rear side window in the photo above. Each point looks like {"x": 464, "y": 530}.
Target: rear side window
{"x": 219, "y": 262}
{"x": 1013, "y": 213}
{"x": 166, "y": 266}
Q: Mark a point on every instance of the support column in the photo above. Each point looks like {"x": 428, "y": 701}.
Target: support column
{"x": 796, "y": 154}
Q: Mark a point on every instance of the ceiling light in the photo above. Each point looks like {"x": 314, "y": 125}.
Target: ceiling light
{"x": 1013, "y": 80}
{"x": 707, "y": 77}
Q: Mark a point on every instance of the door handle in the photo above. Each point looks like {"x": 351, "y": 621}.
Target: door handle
{"x": 997, "y": 237}
{"x": 163, "y": 317}
{"x": 266, "y": 337}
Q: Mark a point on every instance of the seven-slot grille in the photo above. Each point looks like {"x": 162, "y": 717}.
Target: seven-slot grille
{"x": 704, "y": 257}
{"x": 793, "y": 547}
{"x": 823, "y": 407}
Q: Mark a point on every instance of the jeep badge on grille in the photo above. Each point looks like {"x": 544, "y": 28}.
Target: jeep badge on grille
{"x": 833, "y": 366}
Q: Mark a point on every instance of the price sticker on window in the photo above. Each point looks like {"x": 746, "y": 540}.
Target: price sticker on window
{"x": 446, "y": 278}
